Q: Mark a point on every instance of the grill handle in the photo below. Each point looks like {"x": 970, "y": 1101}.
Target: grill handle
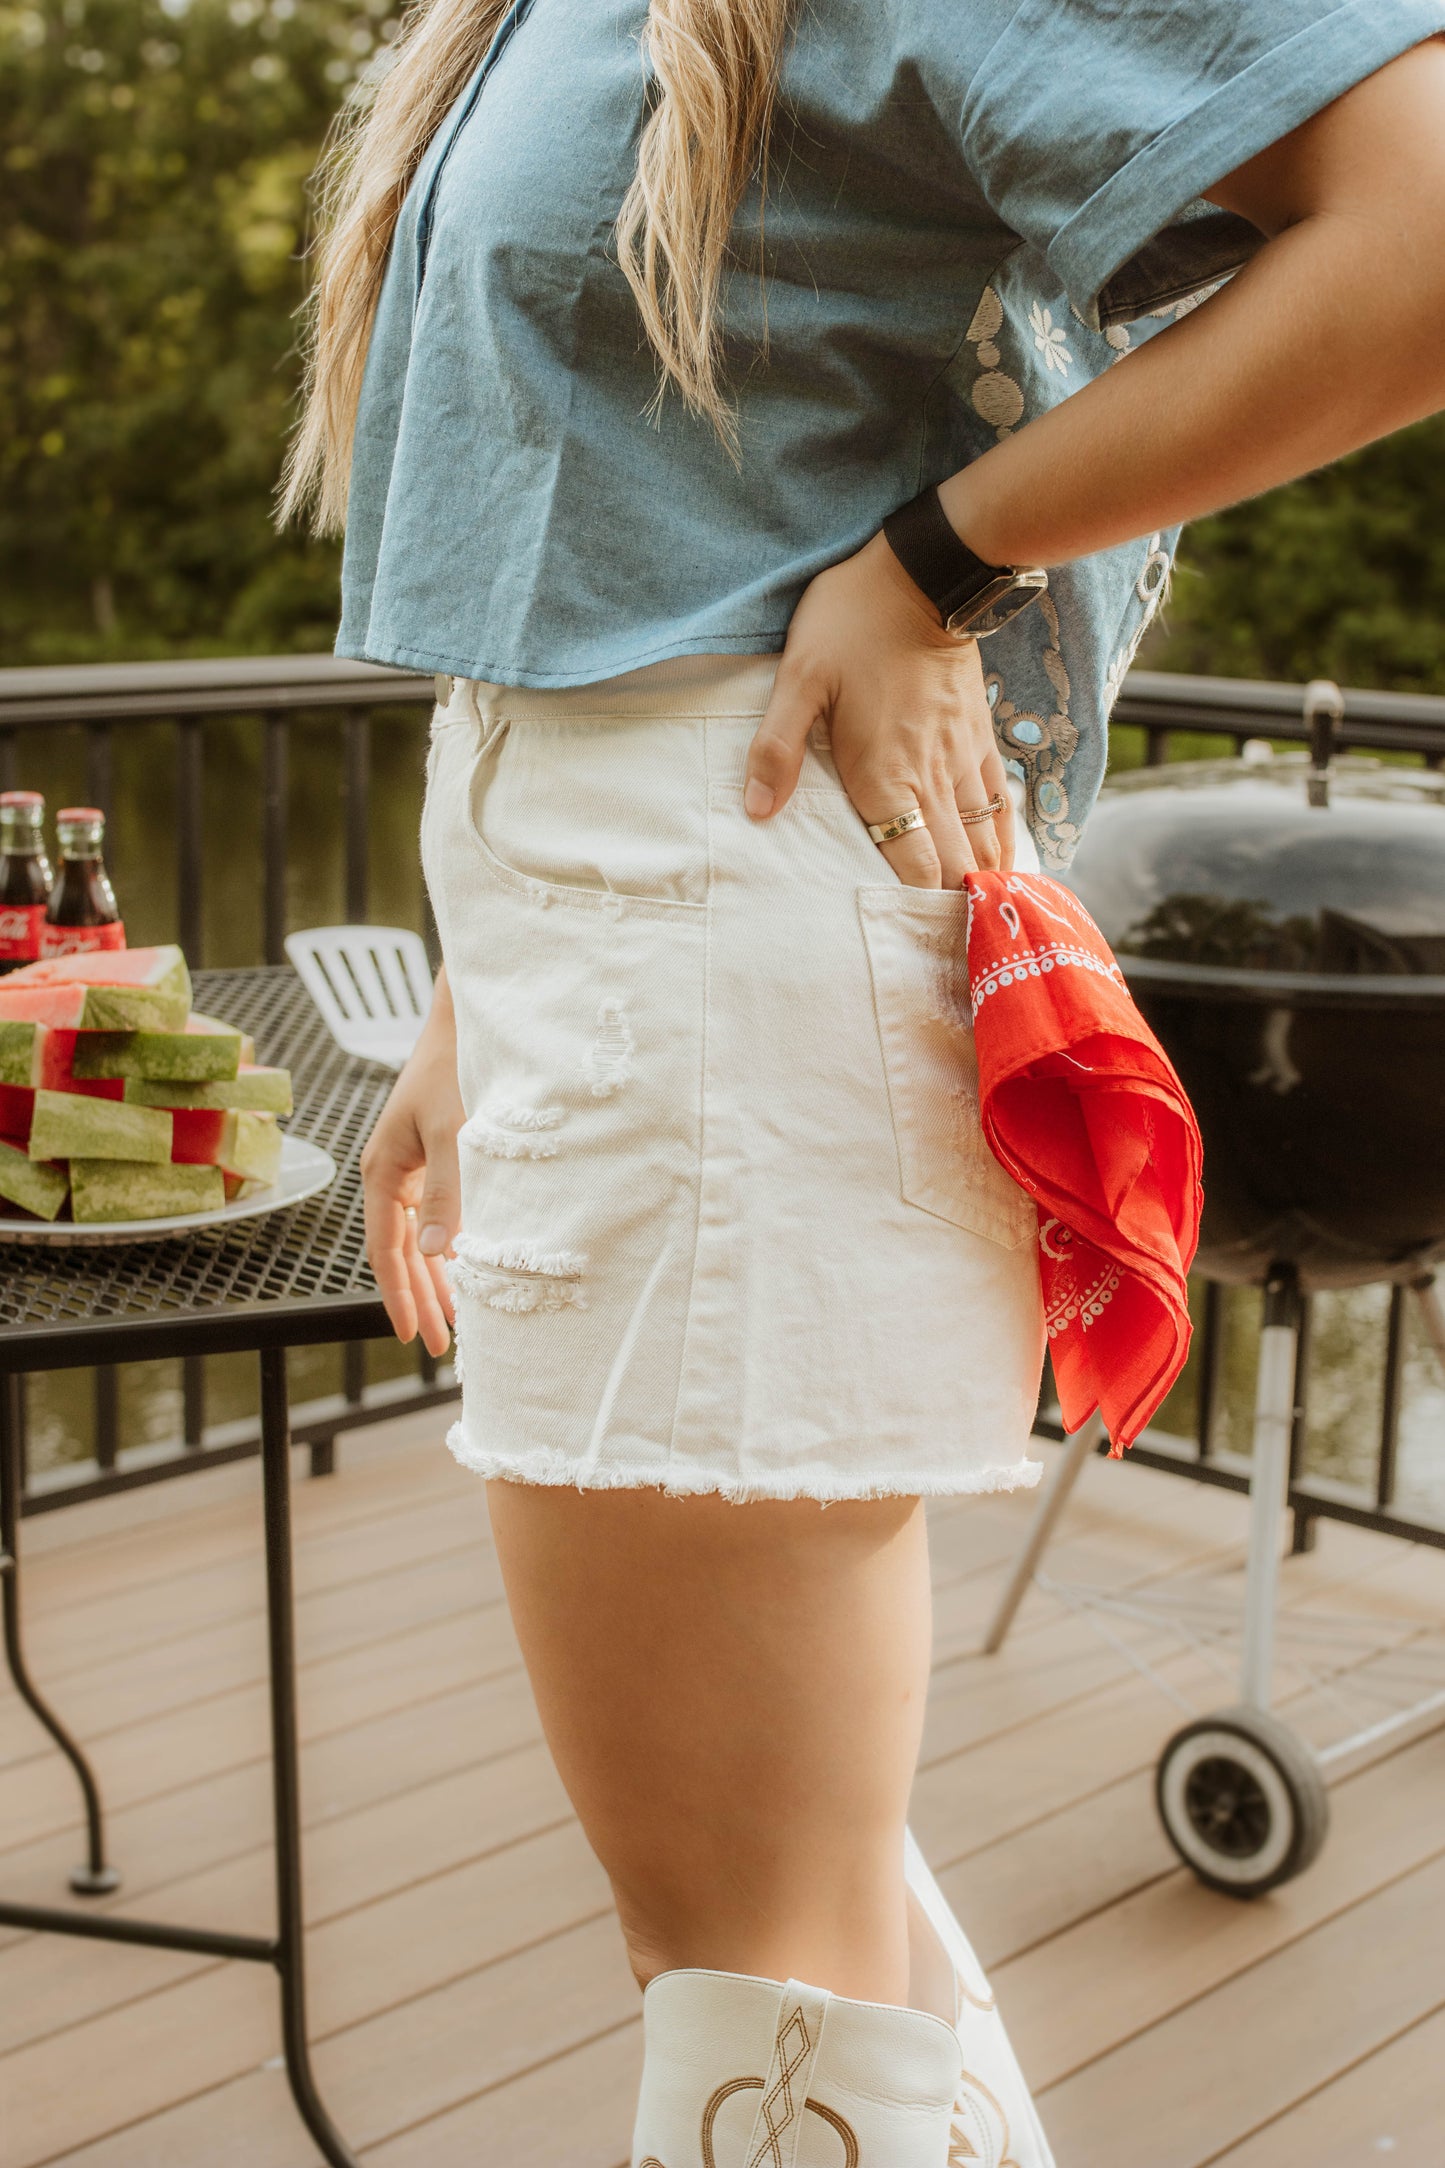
{"x": 1324, "y": 708}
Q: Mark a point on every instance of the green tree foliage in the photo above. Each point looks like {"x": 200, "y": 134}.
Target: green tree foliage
{"x": 1341, "y": 575}
{"x": 153, "y": 159}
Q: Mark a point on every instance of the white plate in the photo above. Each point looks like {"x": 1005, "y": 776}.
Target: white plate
{"x": 305, "y": 1169}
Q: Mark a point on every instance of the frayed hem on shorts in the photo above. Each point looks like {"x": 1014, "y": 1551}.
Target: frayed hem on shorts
{"x": 556, "y": 1472}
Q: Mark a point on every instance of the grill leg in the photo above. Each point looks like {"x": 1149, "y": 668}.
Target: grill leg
{"x": 95, "y": 1878}
{"x": 1432, "y": 1313}
{"x": 1077, "y": 1449}
{"x": 285, "y": 1767}
{"x": 1274, "y": 1409}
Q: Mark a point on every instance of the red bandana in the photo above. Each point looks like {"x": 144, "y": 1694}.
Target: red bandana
{"x": 1082, "y": 1106}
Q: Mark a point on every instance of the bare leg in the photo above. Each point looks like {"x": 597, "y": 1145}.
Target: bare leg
{"x": 734, "y": 1697}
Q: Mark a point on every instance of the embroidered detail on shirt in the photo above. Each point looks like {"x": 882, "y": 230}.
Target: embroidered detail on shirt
{"x": 997, "y": 398}
{"x": 1052, "y": 683}
{"x": 607, "y": 1064}
{"x": 1043, "y": 745}
{"x": 1152, "y": 589}
{"x": 1050, "y": 339}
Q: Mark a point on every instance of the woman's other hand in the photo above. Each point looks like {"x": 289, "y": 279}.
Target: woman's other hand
{"x": 411, "y": 1185}
{"x": 907, "y": 714}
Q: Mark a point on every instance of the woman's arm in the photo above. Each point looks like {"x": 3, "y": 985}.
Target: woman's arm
{"x": 1333, "y": 334}
{"x": 411, "y": 1185}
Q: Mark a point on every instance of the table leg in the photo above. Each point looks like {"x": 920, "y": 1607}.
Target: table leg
{"x": 280, "y": 1620}
{"x": 95, "y": 1878}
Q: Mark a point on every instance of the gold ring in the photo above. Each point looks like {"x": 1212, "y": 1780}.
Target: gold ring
{"x": 984, "y": 812}
{"x": 902, "y": 824}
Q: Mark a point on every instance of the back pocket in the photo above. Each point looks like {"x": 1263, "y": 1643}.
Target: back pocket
{"x": 916, "y": 941}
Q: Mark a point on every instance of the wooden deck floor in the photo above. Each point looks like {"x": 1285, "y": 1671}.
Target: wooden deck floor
{"x": 470, "y": 2003}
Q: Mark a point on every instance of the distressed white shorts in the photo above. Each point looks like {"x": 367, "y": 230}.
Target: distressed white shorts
{"x": 729, "y": 1220}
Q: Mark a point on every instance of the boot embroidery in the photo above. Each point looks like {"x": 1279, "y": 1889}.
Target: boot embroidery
{"x": 755, "y": 2085}
{"x": 791, "y": 2050}
{"x": 978, "y": 2136}
{"x": 780, "y": 2109}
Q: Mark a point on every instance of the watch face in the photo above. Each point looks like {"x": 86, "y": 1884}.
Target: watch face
{"x": 997, "y": 603}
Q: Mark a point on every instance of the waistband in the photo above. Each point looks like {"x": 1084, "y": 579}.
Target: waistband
{"x": 684, "y": 687}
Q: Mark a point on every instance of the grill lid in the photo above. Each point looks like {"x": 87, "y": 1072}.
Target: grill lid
{"x": 1264, "y": 865}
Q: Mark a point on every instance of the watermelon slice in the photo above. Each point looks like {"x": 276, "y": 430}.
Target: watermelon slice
{"x": 65, "y": 1125}
{"x": 40, "y": 1057}
{"x": 248, "y": 1145}
{"x": 122, "y": 1189}
{"x": 197, "y": 1022}
{"x": 34, "y": 1184}
{"x": 16, "y": 1105}
{"x": 260, "y": 1091}
{"x": 124, "y": 989}
{"x": 239, "y": 1187}
{"x": 193, "y": 1057}
{"x": 57, "y": 1068}
{"x": 21, "y": 1052}
{"x": 41, "y": 1004}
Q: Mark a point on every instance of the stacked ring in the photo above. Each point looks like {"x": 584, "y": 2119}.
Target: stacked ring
{"x": 902, "y": 824}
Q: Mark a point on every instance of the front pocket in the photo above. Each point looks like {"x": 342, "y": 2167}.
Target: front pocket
{"x": 917, "y": 954}
{"x": 605, "y": 814}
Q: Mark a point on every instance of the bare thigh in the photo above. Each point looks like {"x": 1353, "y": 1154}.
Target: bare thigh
{"x": 734, "y": 1697}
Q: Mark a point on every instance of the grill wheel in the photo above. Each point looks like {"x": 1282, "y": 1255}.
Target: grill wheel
{"x": 1242, "y": 1801}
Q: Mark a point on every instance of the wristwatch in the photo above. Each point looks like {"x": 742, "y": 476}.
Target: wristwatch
{"x": 972, "y": 598}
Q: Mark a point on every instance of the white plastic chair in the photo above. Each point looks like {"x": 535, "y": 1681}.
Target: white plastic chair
{"x": 372, "y": 984}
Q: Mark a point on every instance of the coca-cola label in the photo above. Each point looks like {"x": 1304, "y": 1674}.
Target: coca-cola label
{"x": 21, "y": 926}
{"x": 74, "y": 940}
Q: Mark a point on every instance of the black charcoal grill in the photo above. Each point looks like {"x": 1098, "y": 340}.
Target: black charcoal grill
{"x": 1281, "y": 923}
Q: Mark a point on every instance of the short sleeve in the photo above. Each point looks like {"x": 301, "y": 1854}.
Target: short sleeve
{"x": 1093, "y": 127}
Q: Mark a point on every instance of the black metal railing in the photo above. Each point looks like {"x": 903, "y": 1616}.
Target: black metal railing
{"x": 272, "y": 697}
{"x": 96, "y": 702}
{"x": 99, "y": 699}
{"x": 1313, "y": 1497}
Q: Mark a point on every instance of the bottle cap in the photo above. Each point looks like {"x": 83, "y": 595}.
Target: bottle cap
{"x": 90, "y": 813}
{"x": 22, "y": 798}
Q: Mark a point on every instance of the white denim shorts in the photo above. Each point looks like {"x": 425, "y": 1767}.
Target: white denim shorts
{"x": 729, "y": 1221}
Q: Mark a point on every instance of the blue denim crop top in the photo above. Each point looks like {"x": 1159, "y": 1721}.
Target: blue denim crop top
{"x": 973, "y": 210}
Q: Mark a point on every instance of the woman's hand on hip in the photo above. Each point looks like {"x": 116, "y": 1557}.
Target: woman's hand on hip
{"x": 907, "y": 715}
{"x": 411, "y": 1184}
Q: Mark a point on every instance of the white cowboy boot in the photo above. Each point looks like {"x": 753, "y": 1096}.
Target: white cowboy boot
{"x": 748, "y": 2073}
{"x": 995, "y": 2123}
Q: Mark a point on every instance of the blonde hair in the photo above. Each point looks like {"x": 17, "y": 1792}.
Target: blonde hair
{"x": 715, "y": 68}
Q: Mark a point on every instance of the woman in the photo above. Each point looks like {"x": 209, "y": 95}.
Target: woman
{"x": 653, "y": 343}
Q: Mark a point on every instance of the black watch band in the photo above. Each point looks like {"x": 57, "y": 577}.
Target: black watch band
{"x": 970, "y": 596}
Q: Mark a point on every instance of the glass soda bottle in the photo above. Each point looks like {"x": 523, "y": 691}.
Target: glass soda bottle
{"x": 82, "y": 912}
{"x": 24, "y": 877}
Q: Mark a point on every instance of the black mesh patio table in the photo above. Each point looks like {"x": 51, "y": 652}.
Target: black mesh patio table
{"x": 287, "y": 1279}
{"x": 291, "y": 1278}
